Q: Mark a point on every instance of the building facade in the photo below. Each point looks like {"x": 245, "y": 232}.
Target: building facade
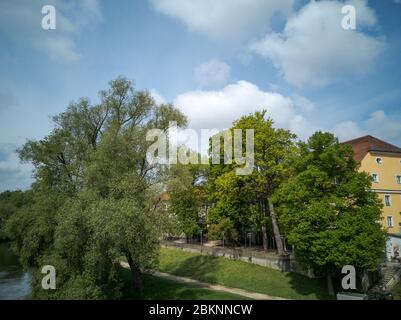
{"x": 382, "y": 161}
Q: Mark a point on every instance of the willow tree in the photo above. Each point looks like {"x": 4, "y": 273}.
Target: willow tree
{"x": 94, "y": 192}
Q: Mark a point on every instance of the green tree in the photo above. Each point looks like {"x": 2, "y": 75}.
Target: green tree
{"x": 223, "y": 230}
{"x": 327, "y": 210}
{"x": 92, "y": 201}
{"x": 186, "y": 187}
{"x": 10, "y": 202}
{"x": 247, "y": 199}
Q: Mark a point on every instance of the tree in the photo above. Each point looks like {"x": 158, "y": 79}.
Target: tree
{"x": 92, "y": 201}
{"x": 327, "y": 210}
{"x": 10, "y": 202}
{"x": 223, "y": 230}
{"x": 186, "y": 187}
{"x": 249, "y": 197}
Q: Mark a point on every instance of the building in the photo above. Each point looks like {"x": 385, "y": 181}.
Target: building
{"x": 382, "y": 161}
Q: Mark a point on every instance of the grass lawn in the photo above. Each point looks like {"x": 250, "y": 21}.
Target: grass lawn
{"x": 162, "y": 289}
{"x": 239, "y": 274}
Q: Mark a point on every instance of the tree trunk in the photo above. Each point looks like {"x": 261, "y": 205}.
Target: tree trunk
{"x": 330, "y": 288}
{"x": 276, "y": 231}
{"x": 264, "y": 238}
{"x": 136, "y": 274}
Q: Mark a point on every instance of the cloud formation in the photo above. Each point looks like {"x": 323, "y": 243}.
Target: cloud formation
{"x": 208, "y": 109}
{"x": 314, "y": 49}
{"x": 227, "y": 20}
{"x": 378, "y": 124}
{"x": 213, "y": 73}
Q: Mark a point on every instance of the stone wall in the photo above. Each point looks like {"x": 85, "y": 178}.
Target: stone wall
{"x": 271, "y": 260}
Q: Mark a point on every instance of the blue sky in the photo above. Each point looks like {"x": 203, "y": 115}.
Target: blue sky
{"x": 215, "y": 60}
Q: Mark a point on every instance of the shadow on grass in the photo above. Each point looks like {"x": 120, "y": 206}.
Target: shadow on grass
{"x": 198, "y": 267}
{"x": 239, "y": 274}
{"x": 305, "y": 286}
{"x": 162, "y": 289}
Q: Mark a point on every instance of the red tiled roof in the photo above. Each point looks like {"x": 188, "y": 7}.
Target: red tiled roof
{"x": 365, "y": 144}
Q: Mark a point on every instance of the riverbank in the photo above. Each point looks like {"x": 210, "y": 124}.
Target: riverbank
{"x": 14, "y": 281}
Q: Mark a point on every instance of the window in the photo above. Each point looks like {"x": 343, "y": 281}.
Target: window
{"x": 379, "y": 160}
{"x": 387, "y": 200}
{"x": 399, "y": 179}
{"x": 390, "y": 223}
{"x": 375, "y": 177}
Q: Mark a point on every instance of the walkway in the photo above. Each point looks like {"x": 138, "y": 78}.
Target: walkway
{"x": 215, "y": 287}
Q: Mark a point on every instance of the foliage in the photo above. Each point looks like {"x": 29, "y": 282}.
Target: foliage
{"x": 327, "y": 210}
{"x": 223, "y": 230}
{"x": 186, "y": 187}
{"x": 246, "y": 200}
{"x": 10, "y": 202}
{"x": 93, "y": 198}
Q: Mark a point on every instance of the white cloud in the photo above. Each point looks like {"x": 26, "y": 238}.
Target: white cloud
{"x": 21, "y": 22}
{"x": 384, "y": 126}
{"x": 347, "y": 130}
{"x": 313, "y": 49}
{"x": 234, "y": 20}
{"x": 213, "y": 73}
{"x": 378, "y": 124}
{"x": 218, "y": 109}
{"x": 303, "y": 102}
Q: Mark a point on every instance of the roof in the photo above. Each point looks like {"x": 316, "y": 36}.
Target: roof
{"x": 366, "y": 144}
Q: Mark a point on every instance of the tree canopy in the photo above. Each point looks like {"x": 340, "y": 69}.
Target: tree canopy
{"x": 327, "y": 211}
{"x": 247, "y": 199}
{"x": 93, "y": 199}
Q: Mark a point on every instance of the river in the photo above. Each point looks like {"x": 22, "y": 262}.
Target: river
{"x": 14, "y": 281}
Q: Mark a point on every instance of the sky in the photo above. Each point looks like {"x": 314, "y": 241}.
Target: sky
{"x": 214, "y": 60}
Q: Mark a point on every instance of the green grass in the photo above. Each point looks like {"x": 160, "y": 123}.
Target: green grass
{"x": 238, "y": 274}
{"x": 161, "y": 289}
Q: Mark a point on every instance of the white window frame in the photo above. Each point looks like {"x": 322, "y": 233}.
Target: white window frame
{"x": 380, "y": 162}
{"x": 390, "y": 218}
{"x": 389, "y": 198}
{"x": 398, "y": 179}
{"x": 377, "y": 180}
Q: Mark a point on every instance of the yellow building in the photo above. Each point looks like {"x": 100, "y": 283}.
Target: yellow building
{"x": 383, "y": 162}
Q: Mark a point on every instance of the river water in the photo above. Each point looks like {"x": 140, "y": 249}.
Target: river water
{"x": 14, "y": 281}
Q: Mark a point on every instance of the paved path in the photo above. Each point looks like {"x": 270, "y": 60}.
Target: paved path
{"x": 215, "y": 287}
